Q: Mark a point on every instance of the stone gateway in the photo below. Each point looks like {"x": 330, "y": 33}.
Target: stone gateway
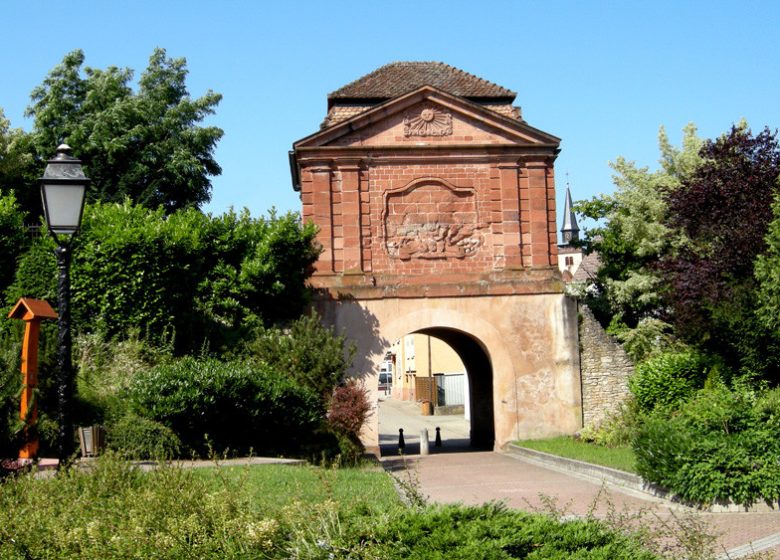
{"x": 435, "y": 202}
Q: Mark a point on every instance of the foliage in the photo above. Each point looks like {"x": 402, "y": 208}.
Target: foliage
{"x": 133, "y": 269}
{"x": 145, "y": 145}
{"x": 668, "y": 379}
{"x": 634, "y": 232}
{"x": 723, "y": 445}
{"x": 115, "y": 511}
{"x": 348, "y": 410}
{"x": 194, "y": 279}
{"x": 724, "y": 209}
{"x": 18, "y": 166}
{"x": 233, "y": 405}
{"x": 767, "y": 301}
{"x": 649, "y": 337}
{"x": 310, "y": 353}
{"x": 490, "y": 531}
{"x": 135, "y": 437}
{"x": 13, "y": 237}
{"x": 616, "y": 429}
{"x": 35, "y": 274}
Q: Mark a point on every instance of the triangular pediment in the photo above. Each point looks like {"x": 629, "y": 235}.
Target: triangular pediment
{"x": 428, "y": 116}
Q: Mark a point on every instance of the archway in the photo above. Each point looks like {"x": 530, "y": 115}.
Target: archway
{"x": 466, "y": 423}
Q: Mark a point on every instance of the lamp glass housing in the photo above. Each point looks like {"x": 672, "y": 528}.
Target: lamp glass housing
{"x": 63, "y": 205}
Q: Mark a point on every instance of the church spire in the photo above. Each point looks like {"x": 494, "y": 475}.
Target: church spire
{"x": 570, "y": 230}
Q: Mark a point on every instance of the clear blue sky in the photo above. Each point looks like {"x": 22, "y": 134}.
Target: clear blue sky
{"x": 603, "y": 76}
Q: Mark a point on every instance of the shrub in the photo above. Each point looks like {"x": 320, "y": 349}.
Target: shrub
{"x": 312, "y": 354}
{"x": 668, "y": 379}
{"x": 236, "y": 406}
{"x": 140, "y": 438}
{"x": 723, "y": 445}
{"x": 615, "y": 430}
{"x": 488, "y": 531}
{"x": 348, "y": 410}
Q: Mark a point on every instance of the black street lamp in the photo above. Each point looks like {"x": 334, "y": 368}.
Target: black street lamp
{"x": 63, "y": 187}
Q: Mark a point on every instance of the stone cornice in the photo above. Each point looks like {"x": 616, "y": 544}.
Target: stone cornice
{"x": 381, "y": 286}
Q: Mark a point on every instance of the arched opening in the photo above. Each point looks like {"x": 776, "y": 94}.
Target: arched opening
{"x": 427, "y": 373}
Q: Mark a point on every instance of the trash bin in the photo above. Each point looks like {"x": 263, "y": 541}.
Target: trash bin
{"x": 427, "y": 408}
{"x": 91, "y": 440}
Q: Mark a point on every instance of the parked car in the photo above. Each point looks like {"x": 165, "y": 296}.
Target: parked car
{"x": 385, "y": 377}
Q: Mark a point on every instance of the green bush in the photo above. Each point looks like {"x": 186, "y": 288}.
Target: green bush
{"x": 722, "y": 445}
{"x": 140, "y": 438}
{"x": 312, "y": 354}
{"x": 616, "y": 429}
{"x": 233, "y": 405}
{"x": 489, "y": 531}
{"x": 668, "y": 379}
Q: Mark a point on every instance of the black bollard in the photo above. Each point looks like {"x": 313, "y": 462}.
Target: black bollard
{"x": 401, "y": 443}
{"x": 438, "y": 437}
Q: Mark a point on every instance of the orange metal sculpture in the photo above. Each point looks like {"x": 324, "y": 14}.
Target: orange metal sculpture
{"x": 32, "y": 312}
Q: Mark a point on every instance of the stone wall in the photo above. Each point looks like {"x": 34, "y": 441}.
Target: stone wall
{"x": 605, "y": 368}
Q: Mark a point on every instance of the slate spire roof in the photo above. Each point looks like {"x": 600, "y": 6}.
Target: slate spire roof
{"x": 570, "y": 229}
{"x": 399, "y": 78}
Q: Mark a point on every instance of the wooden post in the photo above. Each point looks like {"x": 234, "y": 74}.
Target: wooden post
{"x": 32, "y": 312}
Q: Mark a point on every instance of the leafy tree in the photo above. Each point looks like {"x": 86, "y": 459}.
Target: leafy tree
{"x": 634, "y": 234}
{"x": 724, "y": 209}
{"x": 145, "y": 145}
{"x": 17, "y": 165}
{"x": 13, "y": 237}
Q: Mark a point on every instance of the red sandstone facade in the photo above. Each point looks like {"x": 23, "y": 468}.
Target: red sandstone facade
{"x": 471, "y": 192}
{"x": 435, "y": 203}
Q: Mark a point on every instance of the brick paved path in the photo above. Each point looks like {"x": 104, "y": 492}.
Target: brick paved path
{"x": 455, "y": 475}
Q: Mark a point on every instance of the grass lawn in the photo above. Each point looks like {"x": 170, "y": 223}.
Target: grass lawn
{"x": 271, "y": 487}
{"x": 621, "y": 458}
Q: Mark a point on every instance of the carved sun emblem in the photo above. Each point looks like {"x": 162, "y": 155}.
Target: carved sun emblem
{"x": 429, "y": 122}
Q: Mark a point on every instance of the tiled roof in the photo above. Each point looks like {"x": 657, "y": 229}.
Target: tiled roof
{"x": 588, "y": 268}
{"x": 399, "y": 78}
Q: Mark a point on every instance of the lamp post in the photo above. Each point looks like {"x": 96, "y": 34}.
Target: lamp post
{"x": 63, "y": 187}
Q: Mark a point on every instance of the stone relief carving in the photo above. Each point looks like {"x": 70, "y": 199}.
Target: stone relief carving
{"x": 430, "y": 121}
{"x": 434, "y": 241}
{"x": 431, "y": 221}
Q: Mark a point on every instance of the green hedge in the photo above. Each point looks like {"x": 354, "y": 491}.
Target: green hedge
{"x": 140, "y": 438}
{"x": 231, "y": 405}
{"x": 194, "y": 279}
{"x": 668, "y": 379}
{"x": 722, "y": 445}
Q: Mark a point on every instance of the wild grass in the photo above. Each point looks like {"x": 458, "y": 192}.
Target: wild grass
{"x": 620, "y": 458}
{"x": 113, "y": 510}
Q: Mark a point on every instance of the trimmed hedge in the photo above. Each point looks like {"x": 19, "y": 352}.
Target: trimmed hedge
{"x": 213, "y": 405}
{"x": 723, "y": 445}
{"x": 140, "y": 438}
